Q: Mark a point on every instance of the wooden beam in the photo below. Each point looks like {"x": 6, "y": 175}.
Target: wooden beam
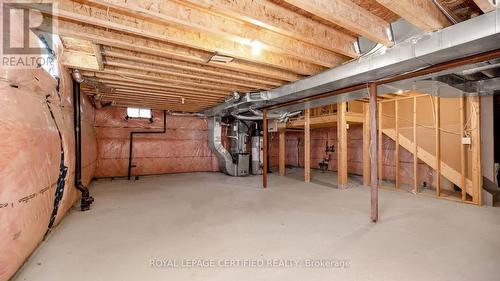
{"x": 437, "y": 116}
{"x": 424, "y": 14}
{"x": 366, "y": 144}
{"x": 272, "y": 16}
{"x": 415, "y": 147}
{"x": 264, "y": 148}
{"x": 94, "y": 15}
{"x": 485, "y": 5}
{"x": 348, "y": 15}
{"x": 307, "y": 145}
{"x": 203, "y": 69}
{"x": 373, "y": 153}
{"x": 341, "y": 145}
{"x": 396, "y": 150}
{"x": 282, "y": 152}
{"x": 171, "y": 12}
{"x": 112, "y": 38}
{"x": 475, "y": 126}
{"x": 462, "y": 150}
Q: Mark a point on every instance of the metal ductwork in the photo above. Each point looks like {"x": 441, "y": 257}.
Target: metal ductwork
{"x": 477, "y": 35}
{"x": 236, "y": 162}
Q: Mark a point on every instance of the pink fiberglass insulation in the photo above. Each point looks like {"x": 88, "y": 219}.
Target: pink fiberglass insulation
{"x": 30, "y": 158}
{"x": 182, "y": 148}
{"x": 320, "y": 138}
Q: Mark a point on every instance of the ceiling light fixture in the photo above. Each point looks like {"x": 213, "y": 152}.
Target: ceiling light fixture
{"x": 220, "y": 58}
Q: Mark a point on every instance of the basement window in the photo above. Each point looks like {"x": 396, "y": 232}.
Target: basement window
{"x": 134, "y": 112}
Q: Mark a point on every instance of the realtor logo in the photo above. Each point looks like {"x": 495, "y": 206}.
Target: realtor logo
{"x": 27, "y": 40}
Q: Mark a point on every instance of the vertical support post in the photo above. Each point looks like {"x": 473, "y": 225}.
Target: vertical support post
{"x": 341, "y": 145}
{"x": 415, "y": 147}
{"x": 307, "y": 145}
{"x": 477, "y": 177}
{"x": 373, "y": 152}
{"x": 396, "y": 151}
{"x": 462, "y": 150}
{"x": 264, "y": 148}
{"x": 437, "y": 114}
{"x": 380, "y": 147}
{"x": 366, "y": 144}
{"x": 282, "y": 155}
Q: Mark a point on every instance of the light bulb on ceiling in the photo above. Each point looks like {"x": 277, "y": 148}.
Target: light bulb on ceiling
{"x": 256, "y": 47}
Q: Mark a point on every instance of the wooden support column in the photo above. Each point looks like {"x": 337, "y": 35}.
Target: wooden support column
{"x": 307, "y": 145}
{"x": 264, "y": 147}
{"x": 366, "y": 144}
{"x": 437, "y": 114}
{"x": 415, "y": 147}
{"x": 341, "y": 145}
{"x": 396, "y": 151}
{"x": 380, "y": 147}
{"x": 462, "y": 149}
{"x": 373, "y": 152}
{"x": 475, "y": 126}
{"x": 282, "y": 155}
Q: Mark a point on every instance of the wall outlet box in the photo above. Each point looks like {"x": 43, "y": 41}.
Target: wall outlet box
{"x": 466, "y": 141}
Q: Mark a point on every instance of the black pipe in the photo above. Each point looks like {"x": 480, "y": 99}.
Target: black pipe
{"x": 143, "y": 132}
{"x": 86, "y": 198}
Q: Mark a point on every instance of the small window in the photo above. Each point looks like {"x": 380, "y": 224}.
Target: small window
{"x": 133, "y": 112}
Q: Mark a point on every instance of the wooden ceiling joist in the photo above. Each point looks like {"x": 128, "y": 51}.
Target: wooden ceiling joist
{"x": 279, "y": 19}
{"x": 186, "y": 66}
{"x": 118, "y": 84}
{"x": 171, "y": 80}
{"x": 349, "y": 16}
{"x": 485, "y": 5}
{"x": 120, "y": 63}
{"x": 168, "y": 94}
{"x": 424, "y": 14}
{"x": 124, "y": 78}
{"x": 154, "y": 47}
{"x": 111, "y": 19}
{"x": 170, "y": 12}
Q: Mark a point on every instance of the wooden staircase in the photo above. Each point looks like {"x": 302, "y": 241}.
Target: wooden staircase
{"x": 428, "y": 158}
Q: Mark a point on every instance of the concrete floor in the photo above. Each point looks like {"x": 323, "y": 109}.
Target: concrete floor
{"x": 216, "y": 218}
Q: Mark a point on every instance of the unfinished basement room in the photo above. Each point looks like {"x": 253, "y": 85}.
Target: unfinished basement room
{"x": 250, "y": 140}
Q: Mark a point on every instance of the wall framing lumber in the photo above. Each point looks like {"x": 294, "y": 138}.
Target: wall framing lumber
{"x": 282, "y": 151}
{"x": 462, "y": 149}
{"x": 415, "y": 148}
{"x": 477, "y": 178}
{"x": 380, "y": 147}
{"x": 341, "y": 145}
{"x": 366, "y": 144}
{"x": 397, "y": 147}
{"x": 437, "y": 116}
{"x": 307, "y": 145}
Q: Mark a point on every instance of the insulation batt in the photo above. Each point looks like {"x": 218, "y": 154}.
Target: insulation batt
{"x": 30, "y": 159}
{"x": 183, "y": 148}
